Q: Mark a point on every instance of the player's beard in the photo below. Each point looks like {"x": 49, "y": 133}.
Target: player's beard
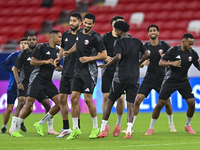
{"x": 32, "y": 47}
{"x": 153, "y": 38}
{"x": 74, "y": 29}
{"x": 87, "y": 30}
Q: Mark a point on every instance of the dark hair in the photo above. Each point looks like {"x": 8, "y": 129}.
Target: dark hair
{"x": 77, "y": 15}
{"x": 115, "y": 19}
{"x": 54, "y": 32}
{"x": 23, "y": 39}
{"x": 122, "y": 25}
{"x": 188, "y": 35}
{"x": 152, "y": 25}
{"x": 31, "y": 35}
{"x": 90, "y": 16}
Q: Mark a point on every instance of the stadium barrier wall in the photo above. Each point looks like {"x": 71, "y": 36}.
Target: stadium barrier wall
{"x": 178, "y": 104}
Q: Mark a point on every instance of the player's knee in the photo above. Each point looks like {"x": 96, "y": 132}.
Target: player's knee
{"x": 9, "y": 108}
{"x": 62, "y": 101}
{"x": 74, "y": 100}
{"x": 88, "y": 101}
{"x": 191, "y": 103}
{"x": 21, "y": 103}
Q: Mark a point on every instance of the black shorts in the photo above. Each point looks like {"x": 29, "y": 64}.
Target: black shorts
{"x": 106, "y": 83}
{"x": 66, "y": 85}
{"x": 168, "y": 87}
{"x": 84, "y": 83}
{"x": 11, "y": 96}
{"x": 117, "y": 89}
{"x": 37, "y": 86}
{"x": 147, "y": 85}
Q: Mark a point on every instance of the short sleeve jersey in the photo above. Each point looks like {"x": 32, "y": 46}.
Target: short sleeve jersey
{"x": 68, "y": 40}
{"x": 127, "y": 69}
{"x": 44, "y": 52}
{"x": 154, "y": 71}
{"x": 187, "y": 59}
{"x": 23, "y": 63}
{"x": 88, "y": 45}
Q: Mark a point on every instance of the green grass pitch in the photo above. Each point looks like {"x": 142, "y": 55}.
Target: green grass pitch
{"x": 162, "y": 139}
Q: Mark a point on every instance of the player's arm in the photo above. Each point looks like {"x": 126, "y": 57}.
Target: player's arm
{"x": 101, "y": 55}
{"x": 113, "y": 61}
{"x": 7, "y": 64}
{"x": 59, "y": 68}
{"x": 16, "y": 76}
{"x": 60, "y": 55}
{"x": 144, "y": 57}
{"x": 36, "y": 62}
{"x": 165, "y": 63}
{"x": 72, "y": 50}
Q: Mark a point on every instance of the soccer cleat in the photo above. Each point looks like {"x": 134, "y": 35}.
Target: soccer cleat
{"x": 189, "y": 130}
{"x": 149, "y": 132}
{"x": 172, "y": 127}
{"x": 10, "y": 131}
{"x": 3, "y": 130}
{"x": 16, "y": 134}
{"x": 127, "y": 136}
{"x": 74, "y": 133}
{"x": 107, "y": 128}
{"x": 39, "y": 128}
{"x": 23, "y": 128}
{"x": 64, "y": 132}
{"x": 124, "y": 131}
{"x": 116, "y": 130}
{"x": 51, "y": 131}
{"x": 94, "y": 133}
{"x": 102, "y": 134}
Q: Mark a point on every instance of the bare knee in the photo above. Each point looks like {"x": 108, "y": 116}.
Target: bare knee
{"x": 9, "y": 108}
{"x": 139, "y": 99}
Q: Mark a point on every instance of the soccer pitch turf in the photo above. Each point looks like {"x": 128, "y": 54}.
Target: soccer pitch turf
{"x": 161, "y": 139}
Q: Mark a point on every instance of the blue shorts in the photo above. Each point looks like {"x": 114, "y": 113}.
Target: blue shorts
{"x": 11, "y": 96}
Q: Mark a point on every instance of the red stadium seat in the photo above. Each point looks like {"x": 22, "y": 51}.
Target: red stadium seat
{"x": 178, "y": 34}
{"x": 97, "y": 27}
{"x": 2, "y": 5}
{"x": 6, "y": 30}
{"x": 41, "y": 38}
{"x": 35, "y": 3}
{"x": 142, "y": 7}
{"x": 182, "y": 25}
{"x": 106, "y": 28}
{"x": 170, "y": 25}
{"x": 155, "y": 6}
{"x": 118, "y": 9}
{"x": 23, "y": 21}
{"x": 11, "y": 3}
{"x": 142, "y": 35}
{"x": 100, "y": 18}
{"x": 150, "y": 16}
{"x": 23, "y": 3}
{"x": 6, "y": 12}
{"x": 126, "y": 16}
{"x": 35, "y": 23}
{"x": 105, "y": 9}
{"x": 30, "y": 11}
{"x": 69, "y": 5}
{"x": 18, "y": 11}
{"x": 192, "y": 5}
{"x": 162, "y": 16}
{"x": 18, "y": 30}
{"x": 176, "y": 15}
{"x": 188, "y": 15}
{"x": 2, "y": 21}
{"x": 180, "y": 5}
{"x": 59, "y": 28}
{"x": 133, "y": 27}
{"x": 94, "y": 9}
{"x": 130, "y": 8}
{"x": 3, "y": 39}
{"x": 58, "y": 3}
{"x": 164, "y": 35}
{"x": 16, "y": 37}
{"x": 52, "y": 18}
{"x": 196, "y": 15}
{"x": 167, "y": 6}
{"x": 42, "y": 11}
{"x": 12, "y": 21}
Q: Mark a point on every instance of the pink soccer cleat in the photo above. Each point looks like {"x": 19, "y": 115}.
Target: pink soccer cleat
{"x": 189, "y": 130}
{"x": 116, "y": 131}
{"x": 102, "y": 134}
{"x": 149, "y": 132}
{"x": 127, "y": 136}
{"x": 51, "y": 131}
{"x": 107, "y": 128}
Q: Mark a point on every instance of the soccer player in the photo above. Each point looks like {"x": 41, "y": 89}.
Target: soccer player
{"x": 126, "y": 55}
{"x": 89, "y": 48}
{"x": 23, "y": 64}
{"x": 41, "y": 80}
{"x": 108, "y": 73}
{"x": 178, "y": 59}
{"x": 68, "y": 40}
{"x": 155, "y": 73}
{"x": 7, "y": 65}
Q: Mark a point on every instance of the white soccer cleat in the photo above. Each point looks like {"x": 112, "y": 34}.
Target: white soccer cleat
{"x": 172, "y": 127}
{"x": 124, "y": 131}
{"x": 51, "y": 131}
{"x": 64, "y": 132}
{"x": 10, "y": 131}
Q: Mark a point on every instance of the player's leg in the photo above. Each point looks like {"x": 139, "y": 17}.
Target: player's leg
{"x": 120, "y": 109}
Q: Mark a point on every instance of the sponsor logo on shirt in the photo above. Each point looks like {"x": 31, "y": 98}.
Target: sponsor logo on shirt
{"x": 77, "y": 38}
{"x": 179, "y": 57}
{"x": 48, "y": 53}
{"x": 190, "y": 58}
{"x": 86, "y": 42}
{"x": 160, "y": 51}
{"x": 87, "y": 90}
{"x": 29, "y": 59}
{"x": 66, "y": 39}
{"x": 149, "y": 51}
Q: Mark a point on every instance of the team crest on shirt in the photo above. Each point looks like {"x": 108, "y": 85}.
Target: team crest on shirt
{"x": 66, "y": 39}
{"x": 160, "y": 51}
{"x": 190, "y": 58}
{"x": 57, "y": 54}
{"x": 86, "y": 42}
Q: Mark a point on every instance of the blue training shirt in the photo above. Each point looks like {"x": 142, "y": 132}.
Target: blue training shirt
{"x": 7, "y": 65}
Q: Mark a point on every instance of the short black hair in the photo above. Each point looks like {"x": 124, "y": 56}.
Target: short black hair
{"x": 31, "y": 35}
{"x": 122, "y": 25}
{"x": 77, "y": 15}
{"x": 23, "y": 39}
{"x": 187, "y": 36}
{"x": 90, "y": 16}
{"x": 54, "y": 32}
{"x": 115, "y": 19}
{"x": 152, "y": 25}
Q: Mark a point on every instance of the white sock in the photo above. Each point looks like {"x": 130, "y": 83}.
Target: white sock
{"x": 95, "y": 122}
{"x": 153, "y": 121}
{"x": 5, "y": 125}
{"x": 75, "y": 123}
{"x": 103, "y": 124}
{"x": 45, "y": 118}
{"x": 18, "y": 124}
{"x": 119, "y": 120}
{"x": 50, "y": 123}
{"x": 14, "y": 119}
{"x": 134, "y": 119}
{"x": 129, "y": 127}
{"x": 188, "y": 122}
{"x": 170, "y": 118}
